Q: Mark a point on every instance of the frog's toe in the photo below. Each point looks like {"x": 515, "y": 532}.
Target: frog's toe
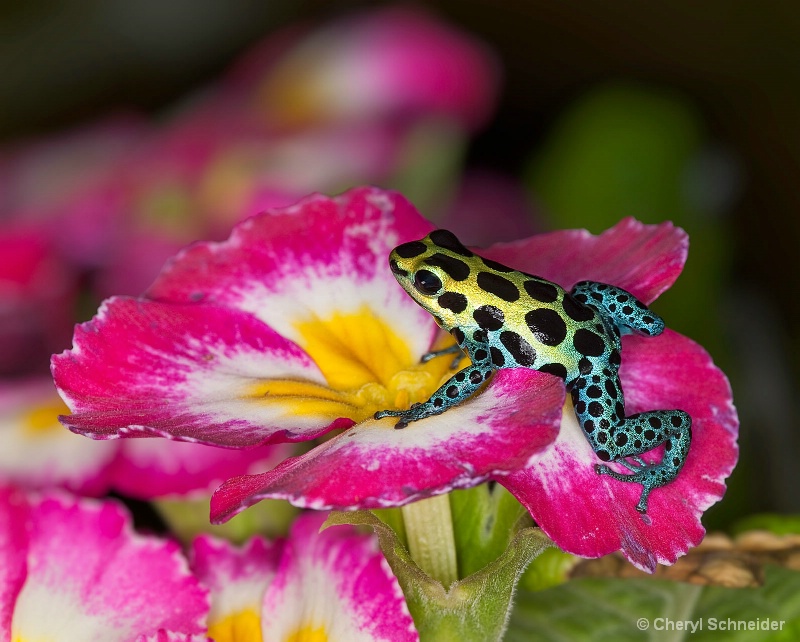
{"x": 381, "y": 414}
{"x": 406, "y": 416}
{"x": 642, "y": 505}
{"x": 650, "y": 476}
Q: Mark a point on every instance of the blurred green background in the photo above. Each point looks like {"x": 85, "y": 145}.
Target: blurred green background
{"x": 678, "y": 111}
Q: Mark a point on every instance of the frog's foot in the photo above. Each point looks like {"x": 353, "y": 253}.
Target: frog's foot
{"x": 648, "y": 475}
{"x": 455, "y": 390}
{"x": 656, "y": 474}
{"x": 415, "y": 413}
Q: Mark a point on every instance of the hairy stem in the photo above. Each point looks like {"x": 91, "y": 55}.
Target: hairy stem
{"x": 429, "y": 529}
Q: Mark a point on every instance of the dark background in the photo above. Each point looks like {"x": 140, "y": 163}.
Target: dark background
{"x": 737, "y": 63}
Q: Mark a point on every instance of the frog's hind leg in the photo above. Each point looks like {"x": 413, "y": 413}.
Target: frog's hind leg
{"x": 623, "y": 309}
{"x": 676, "y": 446}
{"x": 600, "y": 409}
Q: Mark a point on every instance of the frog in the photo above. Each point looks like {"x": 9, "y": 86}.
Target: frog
{"x": 504, "y": 318}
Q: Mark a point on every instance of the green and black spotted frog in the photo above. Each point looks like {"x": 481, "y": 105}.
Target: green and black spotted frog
{"x": 503, "y": 318}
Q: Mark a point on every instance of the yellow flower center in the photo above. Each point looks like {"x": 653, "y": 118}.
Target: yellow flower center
{"x": 368, "y": 367}
{"x": 244, "y": 626}
{"x": 294, "y": 94}
{"x": 42, "y": 421}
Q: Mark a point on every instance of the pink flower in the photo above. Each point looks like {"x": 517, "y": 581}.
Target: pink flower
{"x": 37, "y": 290}
{"x": 74, "y": 570}
{"x": 333, "y": 584}
{"x": 384, "y": 65}
{"x": 295, "y": 327}
{"x": 37, "y": 453}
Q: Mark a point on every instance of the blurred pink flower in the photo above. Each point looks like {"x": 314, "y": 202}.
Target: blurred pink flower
{"x": 385, "y": 65}
{"x": 37, "y": 453}
{"x": 73, "y": 569}
{"x": 118, "y": 197}
{"x": 333, "y": 584}
{"x": 37, "y": 292}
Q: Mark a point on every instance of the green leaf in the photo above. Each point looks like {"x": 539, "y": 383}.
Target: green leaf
{"x": 393, "y": 517}
{"x": 772, "y": 522}
{"x": 475, "y": 608}
{"x": 610, "y": 609}
{"x": 627, "y": 148}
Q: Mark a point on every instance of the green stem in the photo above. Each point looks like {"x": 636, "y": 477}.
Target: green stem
{"x": 429, "y": 529}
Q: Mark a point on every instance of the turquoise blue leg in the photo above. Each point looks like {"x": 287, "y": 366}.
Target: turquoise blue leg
{"x": 600, "y": 409}
{"x": 600, "y": 405}
{"x": 620, "y": 307}
{"x": 460, "y": 387}
{"x": 453, "y": 349}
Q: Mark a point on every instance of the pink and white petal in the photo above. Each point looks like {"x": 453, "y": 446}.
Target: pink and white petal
{"x": 237, "y": 578}
{"x": 592, "y": 515}
{"x": 35, "y": 450}
{"x": 319, "y": 258}
{"x": 643, "y": 259}
{"x": 186, "y": 372}
{"x": 334, "y": 585}
{"x": 14, "y": 511}
{"x": 155, "y": 469}
{"x": 373, "y": 465}
{"x": 90, "y": 577}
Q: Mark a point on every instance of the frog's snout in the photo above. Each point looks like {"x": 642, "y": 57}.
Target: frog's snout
{"x": 396, "y": 268}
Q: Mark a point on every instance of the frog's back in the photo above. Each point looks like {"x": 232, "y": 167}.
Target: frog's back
{"x": 526, "y": 320}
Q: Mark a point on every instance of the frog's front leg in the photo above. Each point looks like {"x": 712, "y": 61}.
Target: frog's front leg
{"x": 458, "y": 388}
{"x": 600, "y": 408}
{"x": 623, "y": 309}
{"x": 453, "y": 349}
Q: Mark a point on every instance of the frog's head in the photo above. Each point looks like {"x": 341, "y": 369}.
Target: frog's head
{"x": 435, "y": 271}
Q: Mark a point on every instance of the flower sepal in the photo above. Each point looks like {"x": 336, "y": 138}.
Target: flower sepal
{"x": 475, "y": 607}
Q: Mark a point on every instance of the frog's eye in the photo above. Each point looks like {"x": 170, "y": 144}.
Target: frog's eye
{"x": 427, "y": 282}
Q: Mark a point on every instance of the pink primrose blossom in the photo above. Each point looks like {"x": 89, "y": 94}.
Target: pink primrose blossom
{"x": 385, "y": 65}
{"x": 333, "y": 584}
{"x": 74, "y": 570}
{"x": 37, "y": 453}
{"x": 294, "y": 328}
